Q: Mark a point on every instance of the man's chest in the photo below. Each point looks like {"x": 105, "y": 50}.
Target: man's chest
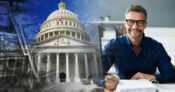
{"x": 127, "y": 60}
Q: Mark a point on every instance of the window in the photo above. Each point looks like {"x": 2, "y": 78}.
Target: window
{"x": 70, "y": 23}
{"x": 73, "y": 34}
{"x": 56, "y": 33}
{"x": 67, "y": 33}
{"x": 74, "y": 24}
{"x": 78, "y": 35}
{"x": 66, "y": 23}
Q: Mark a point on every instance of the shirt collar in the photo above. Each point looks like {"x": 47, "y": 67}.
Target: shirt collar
{"x": 127, "y": 40}
{"x": 129, "y": 43}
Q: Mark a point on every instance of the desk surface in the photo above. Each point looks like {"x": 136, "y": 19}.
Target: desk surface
{"x": 78, "y": 87}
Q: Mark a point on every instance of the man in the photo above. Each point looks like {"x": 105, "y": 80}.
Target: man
{"x": 136, "y": 56}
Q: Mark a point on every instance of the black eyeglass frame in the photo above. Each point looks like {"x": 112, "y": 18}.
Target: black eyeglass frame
{"x": 138, "y": 22}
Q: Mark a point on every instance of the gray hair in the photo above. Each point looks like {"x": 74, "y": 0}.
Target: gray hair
{"x": 137, "y": 8}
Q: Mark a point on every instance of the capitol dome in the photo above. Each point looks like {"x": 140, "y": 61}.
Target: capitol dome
{"x": 62, "y": 22}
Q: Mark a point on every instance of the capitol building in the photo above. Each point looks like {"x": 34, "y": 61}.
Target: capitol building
{"x": 63, "y": 49}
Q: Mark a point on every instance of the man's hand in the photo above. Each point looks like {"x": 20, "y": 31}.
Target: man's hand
{"x": 140, "y": 75}
{"x": 111, "y": 82}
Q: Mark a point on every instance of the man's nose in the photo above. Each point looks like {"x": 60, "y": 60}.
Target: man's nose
{"x": 135, "y": 25}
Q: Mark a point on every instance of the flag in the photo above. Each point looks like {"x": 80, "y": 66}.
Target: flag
{"x": 59, "y": 19}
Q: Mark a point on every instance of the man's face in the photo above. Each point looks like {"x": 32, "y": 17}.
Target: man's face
{"x": 135, "y": 24}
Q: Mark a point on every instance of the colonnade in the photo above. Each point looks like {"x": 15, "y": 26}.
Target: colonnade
{"x": 76, "y": 65}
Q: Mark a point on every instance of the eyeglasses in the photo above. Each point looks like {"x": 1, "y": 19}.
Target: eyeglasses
{"x": 139, "y": 23}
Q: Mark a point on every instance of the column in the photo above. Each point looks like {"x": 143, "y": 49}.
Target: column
{"x": 48, "y": 67}
{"x": 95, "y": 63}
{"x": 63, "y": 23}
{"x": 77, "y": 76}
{"x": 86, "y": 65}
{"x": 67, "y": 68}
{"x": 75, "y": 34}
{"x": 48, "y": 62}
{"x": 57, "y": 68}
{"x": 39, "y": 61}
{"x": 58, "y": 32}
{"x": 70, "y": 33}
{"x": 81, "y": 36}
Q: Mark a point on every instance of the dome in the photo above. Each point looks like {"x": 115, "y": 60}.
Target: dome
{"x": 62, "y": 22}
{"x": 61, "y": 13}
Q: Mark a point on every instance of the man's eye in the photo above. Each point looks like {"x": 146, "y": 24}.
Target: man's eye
{"x": 140, "y": 22}
{"x": 132, "y": 21}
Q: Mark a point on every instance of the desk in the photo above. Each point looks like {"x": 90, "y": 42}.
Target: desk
{"x": 78, "y": 87}
{"x": 160, "y": 87}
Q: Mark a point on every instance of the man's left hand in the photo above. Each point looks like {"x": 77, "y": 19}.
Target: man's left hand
{"x": 140, "y": 75}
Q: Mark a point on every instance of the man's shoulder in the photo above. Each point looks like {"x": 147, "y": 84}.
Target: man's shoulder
{"x": 153, "y": 42}
{"x": 118, "y": 39}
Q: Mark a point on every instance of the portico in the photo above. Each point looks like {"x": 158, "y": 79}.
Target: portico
{"x": 66, "y": 55}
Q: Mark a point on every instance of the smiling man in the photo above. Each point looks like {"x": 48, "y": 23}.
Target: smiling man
{"x": 136, "y": 56}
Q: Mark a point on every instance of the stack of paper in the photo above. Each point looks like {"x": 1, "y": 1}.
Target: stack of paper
{"x": 135, "y": 86}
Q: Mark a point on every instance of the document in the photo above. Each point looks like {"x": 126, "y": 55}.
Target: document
{"x": 135, "y": 86}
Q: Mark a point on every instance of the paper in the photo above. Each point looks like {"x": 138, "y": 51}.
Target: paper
{"x": 135, "y": 86}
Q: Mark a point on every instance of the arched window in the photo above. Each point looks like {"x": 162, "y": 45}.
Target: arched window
{"x": 70, "y": 23}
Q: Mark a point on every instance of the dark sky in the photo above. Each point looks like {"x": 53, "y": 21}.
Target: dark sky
{"x": 42, "y": 8}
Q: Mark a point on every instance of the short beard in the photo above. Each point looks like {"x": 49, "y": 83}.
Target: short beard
{"x": 134, "y": 36}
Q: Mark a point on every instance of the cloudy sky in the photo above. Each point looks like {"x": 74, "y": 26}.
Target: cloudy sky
{"x": 160, "y": 12}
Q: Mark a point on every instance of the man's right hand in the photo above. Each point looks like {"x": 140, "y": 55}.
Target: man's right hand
{"x": 111, "y": 82}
